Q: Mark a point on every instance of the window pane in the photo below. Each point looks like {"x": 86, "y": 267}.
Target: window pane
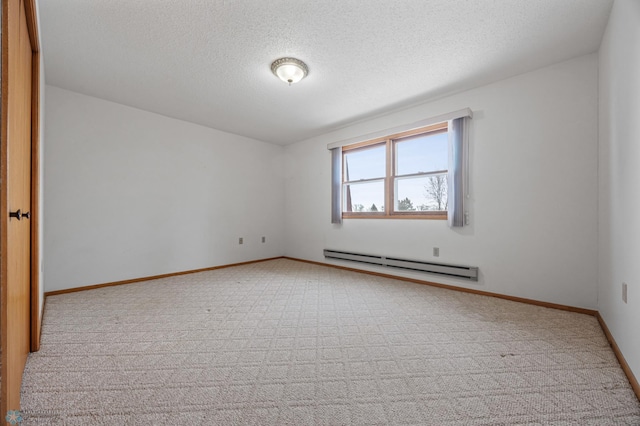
{"x": 422, "y": 154}
{"x": 428, "y": 193}
{"x": 363, "y": 197}
{"x": 366, "y": 163}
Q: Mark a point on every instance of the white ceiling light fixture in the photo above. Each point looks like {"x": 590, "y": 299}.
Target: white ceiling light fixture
{"x": 289, "y": 70}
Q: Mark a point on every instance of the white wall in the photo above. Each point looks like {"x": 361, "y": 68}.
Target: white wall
{"x": 533, "y": 206}
{"x": 42, "y": 148}
{"x": 131, "y": 194}
{"x": 41, "y": 195}
{"x": 619, "y": 172}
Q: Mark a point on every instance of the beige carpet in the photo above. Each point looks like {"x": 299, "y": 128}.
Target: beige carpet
{"x": 289, "y": 343}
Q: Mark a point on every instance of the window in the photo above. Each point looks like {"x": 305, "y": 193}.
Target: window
{"x": 398, "y": 176}
{"x": 401, "y": 173}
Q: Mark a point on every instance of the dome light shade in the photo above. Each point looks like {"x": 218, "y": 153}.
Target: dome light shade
{"x": 289, "y": 70}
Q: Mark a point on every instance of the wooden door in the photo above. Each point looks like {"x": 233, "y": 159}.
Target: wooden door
{"x": 17, "y": 214}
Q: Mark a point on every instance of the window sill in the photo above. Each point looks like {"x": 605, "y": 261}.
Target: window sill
{"x": 424, "y": 216}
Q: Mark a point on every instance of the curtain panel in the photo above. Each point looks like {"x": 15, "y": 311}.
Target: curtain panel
{"x": 457, "y": 172}
{"x": 336, "y": 185}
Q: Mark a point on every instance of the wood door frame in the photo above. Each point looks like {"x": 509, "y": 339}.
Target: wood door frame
{"x": 36, "y": 313}
{"x": 32, "y": 27}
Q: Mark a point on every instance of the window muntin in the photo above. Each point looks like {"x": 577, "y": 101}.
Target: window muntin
{"x": 413, "y": 183}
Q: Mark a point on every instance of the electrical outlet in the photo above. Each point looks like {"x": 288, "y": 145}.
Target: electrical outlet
{"x": 436, "y": 251}
{"x": 240, "y": 240}
{"x": 624, "y": 292}
{"x": 264, "y": 239}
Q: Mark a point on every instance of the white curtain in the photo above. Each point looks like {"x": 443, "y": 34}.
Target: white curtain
{"x": 457, "y": 170}
{"x": 336, "y": 183}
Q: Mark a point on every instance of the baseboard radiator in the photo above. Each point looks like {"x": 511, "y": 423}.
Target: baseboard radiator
{"x": 457, "y": 271}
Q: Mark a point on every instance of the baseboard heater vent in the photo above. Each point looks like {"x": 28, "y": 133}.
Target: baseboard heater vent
{"x": 457, "y": 271}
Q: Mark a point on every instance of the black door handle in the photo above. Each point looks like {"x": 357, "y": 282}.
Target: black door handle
{"x": 19, "y": 215}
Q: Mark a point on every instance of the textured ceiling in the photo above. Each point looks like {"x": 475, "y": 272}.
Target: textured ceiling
{"x": 207, "y": 61}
